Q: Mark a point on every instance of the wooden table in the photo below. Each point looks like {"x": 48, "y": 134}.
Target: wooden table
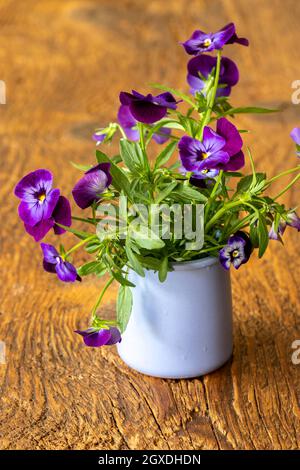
{"x": 64, "y": 64}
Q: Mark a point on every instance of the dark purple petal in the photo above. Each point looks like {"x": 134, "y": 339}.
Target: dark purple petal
{"x": 50, "y": 253}
{"x": 95, "y": 338}
{"x": 235, "y": 39}
{"x": 32, "y": 183}
{"x": 147, "y": 112}
{"x": 295, "y": 135}
{"x": 62, "y": 215}
{"x": 235, "y": 163}
{"x": 39, "y": 230}
{"x": 162, "y": 135}
{"x": 90, "y": 187}
{"x": 212, "y": 141}
{"x": 277, "y": 234}
{"x": 49, "y": 267}
{"x": 223, "y": 36}
{"x": 115, "y": 336}
{"x": 231, "y": 135}
{"x": 65, "y": 271}
{"x": 33, "y": 212}
{"x": 148, "y": 109}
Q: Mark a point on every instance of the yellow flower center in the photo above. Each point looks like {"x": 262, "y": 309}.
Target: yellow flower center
{"x": 207, "y": 42}
{"x": 204, "y": 155}
{"x": 42, "y": 197}
{"x": 204, "y": 172}
{"x": 235, "y": 253}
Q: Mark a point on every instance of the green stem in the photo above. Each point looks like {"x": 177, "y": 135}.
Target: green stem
{"x": 206, "y": 118}
{"x": 108, "y": 283}
{"x": 222, "y": 211}
{"x": 78, "y": 245}
{"x": 283, "y": 173}
{"x": 287, "y": 187}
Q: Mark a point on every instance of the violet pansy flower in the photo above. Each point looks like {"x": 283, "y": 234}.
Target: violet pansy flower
{"x": 53, "y": 263}
{"x": 90, "y": 187}
{"x": 104, "y": 337}
{"x": 276, "y": 234}
{"x": 61, "y": 215}
{"x": 98, "y": 138}
{"x": 200, "y": 69}
{"x": 293, "y": 220}
{"x": 236, "y": 252}
{"x": 38, "y": 199}
{"x": 201, "y": 42}
{"x": 148, "y": 108}
{"x": 129, "y": 125}
{"x": 197, "y": 156}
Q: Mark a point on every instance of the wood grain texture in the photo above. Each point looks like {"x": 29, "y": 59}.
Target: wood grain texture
{"x": 64, "y": 63}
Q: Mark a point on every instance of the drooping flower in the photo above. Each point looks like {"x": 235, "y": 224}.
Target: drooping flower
{"x": 201, "y": 42}
{"x": 38, "y": 199}
{"x": 54, "y": 263}
{"x": 104, "y": 337}
{"x": 148, "y": 108}
{"x": 293, "y": 220}
{"x": 129, "y": 125}
{"x": 61, "y": 215}
{"x": 236, "y": 252}
{"x": 276, "y": 234}
{"x": 201, "y": 67}
{"x": 197, "y": 156}
{"x": 90, "y": 187}
{"x": 295, "y": 135}
{"x": 232, "y": 146}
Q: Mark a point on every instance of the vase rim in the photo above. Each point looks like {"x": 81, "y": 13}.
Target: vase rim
{"x": 194, "y": 264}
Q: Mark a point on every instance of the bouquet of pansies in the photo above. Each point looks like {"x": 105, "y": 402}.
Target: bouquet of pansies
{"x": 238, "y": 216}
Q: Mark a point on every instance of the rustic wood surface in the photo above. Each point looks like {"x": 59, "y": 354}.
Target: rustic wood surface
{"x": 64, "y": 63}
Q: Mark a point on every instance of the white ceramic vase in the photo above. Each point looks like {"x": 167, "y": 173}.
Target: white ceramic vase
{"x": 182, "y": 327}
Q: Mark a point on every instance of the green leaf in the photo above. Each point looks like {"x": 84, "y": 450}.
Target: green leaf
{"x": 189, "y": 194}
{"x": 119, "y": 178}
{"x": 163, "y": 269}
{"x": 124, "y": 307}
{"x": 245, "y": 183}
{"x": 165, "y": 155}
{"x": 134, "y": 157}
{"x": 165, "y": 192}
{"x": 93, "y": 267}
{"x": 80, "y": 234}
{"x": 145, "y": 238}
{"x": 121, "y": 279}
{"x": 263, "y": 235}
{"x": 175, "y": 92}
{"x": 149, "y": 262}
{"x": 254, "y": 234}
{"x": 250, "y": 110}
{"x": 133, "y": 260}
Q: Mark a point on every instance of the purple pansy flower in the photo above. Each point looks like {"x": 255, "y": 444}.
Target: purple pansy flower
{"x": 236, "y": 252}
{"x": 38, "y": 199}
{"x": 233, "y": 145}
{"x": 61, "y": 215}
{"x": 129, "y": 125}
{"x": 90, "y": 187}
{"x": 53, "y": 263}
{"x": 95, "y": 338}
{"x": 148, "y": 108}
{"x": 197, "y": 156}
{"x": 200, "y": 68}
{"x": 201, "y": 42}
{"x": 295, "y": 135}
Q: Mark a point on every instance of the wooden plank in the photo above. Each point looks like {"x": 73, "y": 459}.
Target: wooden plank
{"x": 64, "y": 64}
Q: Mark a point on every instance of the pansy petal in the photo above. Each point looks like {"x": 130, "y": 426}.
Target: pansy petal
{"x": 295, "y": 135}
{"x": 50, "y": 253}
{"x": 162, "y": 135}
{"x": 33, "y": 182}
{"x": 147, "y": 112}
{"x": 115, "y": 336}
{"x": 223, "y": 36}
{"x": 39, "y": 230}
{"x": 231, "y": 135}
{"x": 94, "y": 338}
{"x": 235, "y": 163}
{"x": 212, "y": 141}
{"x": 62, "y": 215}
{"x": 66, "y": 272}
{"x": 90, "y": 187}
